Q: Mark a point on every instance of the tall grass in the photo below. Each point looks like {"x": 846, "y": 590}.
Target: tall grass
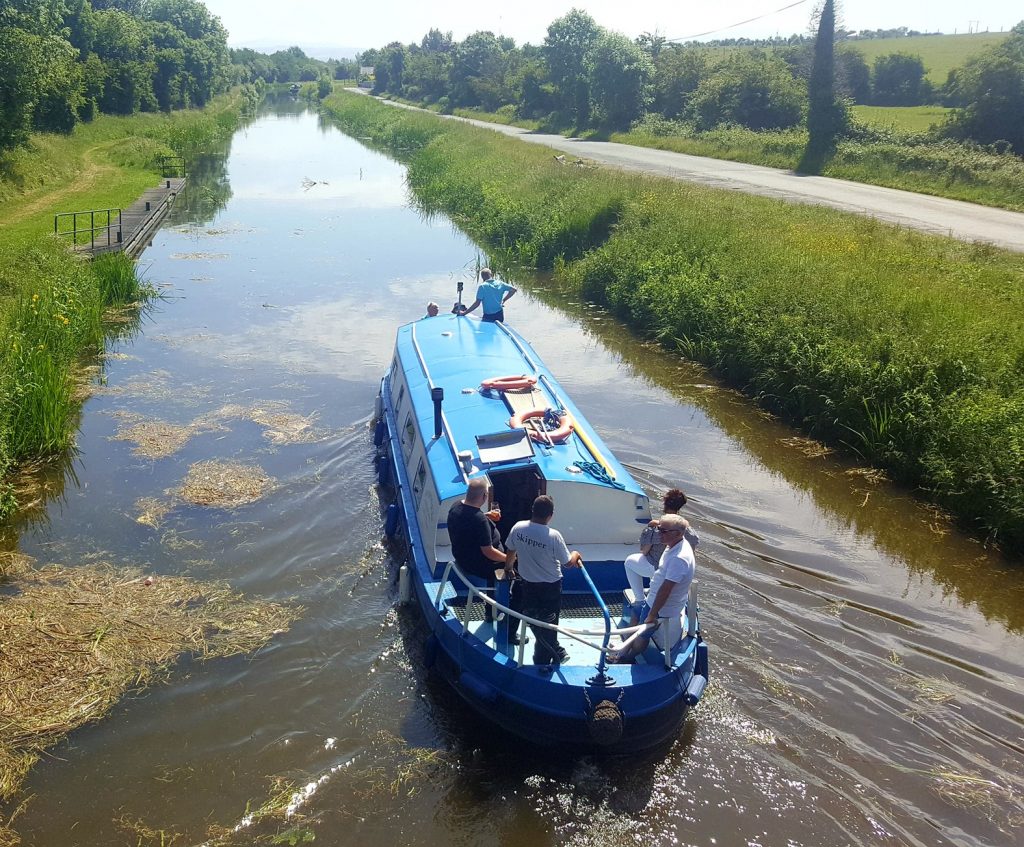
{"x": 907, "y": 350}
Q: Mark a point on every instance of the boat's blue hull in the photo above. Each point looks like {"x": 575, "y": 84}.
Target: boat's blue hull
{"x": 545, "y": 708}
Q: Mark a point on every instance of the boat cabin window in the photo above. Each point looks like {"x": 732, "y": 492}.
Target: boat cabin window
{"x": 419, "y": 483}
{"x": 408, "y": 435}
{"x": 401, "y": 396}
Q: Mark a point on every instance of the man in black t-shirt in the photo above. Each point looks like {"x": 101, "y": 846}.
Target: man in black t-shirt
{"x": 476, "y": 544}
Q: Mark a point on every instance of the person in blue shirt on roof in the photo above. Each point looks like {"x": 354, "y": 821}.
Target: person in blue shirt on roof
{"x": 493, "y": 295}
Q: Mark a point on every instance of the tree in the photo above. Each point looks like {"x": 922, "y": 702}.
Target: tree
{"x": 618, "y": 74}
{"x": 753, "y": 89}
{"x": 826, "y": 115}
{"x": 853, "y": 76}
{"x": 898, "y": 80}
{"x": 678, "y": 72}
{"x": 569, "y": 40}
{"x": 990, "y": 89}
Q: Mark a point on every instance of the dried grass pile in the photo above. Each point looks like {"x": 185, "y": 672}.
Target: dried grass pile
{"x": 155, "y": 439}
{"x": 224, "y": 484}
{"x": 280, "y": 425}
{"x": 73, "y": 641}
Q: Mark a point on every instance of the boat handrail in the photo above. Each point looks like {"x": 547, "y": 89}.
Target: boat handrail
{"x": 444, "y": 419}
{"x": 512, "y": 337}
{"x": 607, "y": 619}
{"x": 575, "y": 634}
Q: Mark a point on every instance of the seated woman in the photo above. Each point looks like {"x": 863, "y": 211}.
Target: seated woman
{"x": 642, "y": 565}
{"x": 670, "y": 590}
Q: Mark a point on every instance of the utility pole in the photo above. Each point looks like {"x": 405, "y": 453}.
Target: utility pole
{"x": 972, "y": 26}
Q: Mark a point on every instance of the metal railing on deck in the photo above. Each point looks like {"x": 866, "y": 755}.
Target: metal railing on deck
{"x": 109, "y": 219}
{"x": 575, "y": 634}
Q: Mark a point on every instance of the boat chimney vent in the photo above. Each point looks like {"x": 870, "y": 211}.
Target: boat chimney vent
{"x": 437, "y": 395}
{"x": 466, "y": 460}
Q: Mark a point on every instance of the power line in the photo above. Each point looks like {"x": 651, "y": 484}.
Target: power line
{"x": 733, "y": 26}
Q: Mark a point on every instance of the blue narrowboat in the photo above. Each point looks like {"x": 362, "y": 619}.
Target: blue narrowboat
{"x": 464, "y": 398}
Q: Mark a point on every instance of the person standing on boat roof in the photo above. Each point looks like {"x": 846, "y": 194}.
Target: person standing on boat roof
{"x": 642, "y": 565}
{"x": 670, "y": 590}
{"x": 493, "y": 295}
{"x": 540, "y": 552}
{"x": 432, "y": 310}
{"x": 476, "y": 543}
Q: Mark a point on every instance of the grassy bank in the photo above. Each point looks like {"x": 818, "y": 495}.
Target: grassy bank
{"x": 905, "y": 349}
{"x": 52, "y": 303}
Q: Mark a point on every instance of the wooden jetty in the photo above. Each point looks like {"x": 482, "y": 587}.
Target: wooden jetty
{"x": 128, "y": 230}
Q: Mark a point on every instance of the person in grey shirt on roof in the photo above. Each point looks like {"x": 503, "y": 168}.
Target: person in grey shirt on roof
{"x": 539, "y": 553}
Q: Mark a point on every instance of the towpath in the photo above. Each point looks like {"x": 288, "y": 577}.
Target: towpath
{"x": 935, "y": 215}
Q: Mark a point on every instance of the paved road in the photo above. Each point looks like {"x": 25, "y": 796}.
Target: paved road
{"x": 936, "y": 215}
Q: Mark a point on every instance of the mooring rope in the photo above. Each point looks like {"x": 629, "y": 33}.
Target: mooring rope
{"x": 598, "y": 472}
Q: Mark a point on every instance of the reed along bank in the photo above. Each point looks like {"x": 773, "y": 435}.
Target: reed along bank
{"x": 905, "y": 350}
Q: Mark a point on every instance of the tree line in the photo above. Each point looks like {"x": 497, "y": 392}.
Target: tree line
{"x": 62, "y": 61}
{"x": 586, "y": 76}
{"x": 65, "y": 61}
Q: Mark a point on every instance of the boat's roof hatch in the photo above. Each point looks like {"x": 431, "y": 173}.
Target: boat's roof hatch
{"x": 499, "y": 448}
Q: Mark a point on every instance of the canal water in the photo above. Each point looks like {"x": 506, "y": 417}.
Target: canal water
{"x": 866, "y": 658}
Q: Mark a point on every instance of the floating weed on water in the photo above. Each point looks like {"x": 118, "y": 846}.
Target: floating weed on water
{"x": 146, "y": 836}
{"x": 159, "y": 439}
{"x": 200, "y": 256}
{"x": 13, "y": 564}
{"x": 895, "y": 658}
{"x": 937, "y": 691}
{"x": 224, "y": 484}
{"x": 872, "y": 475}
{"x": 151, "y": 511}
{"x": 808, "y": 446}
{"x": 76, "y": 640}
{"x": 174, "y": 540}
{"x": 8, "y": 837}
{"x": 835, "y": 606}
{"x": 929, "y": 694}
{"x": 408, "y": 768}
{"x": 280, "y": 425}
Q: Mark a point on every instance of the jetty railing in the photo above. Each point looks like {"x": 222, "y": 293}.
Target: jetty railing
{"x": 172, "y": 166}
{"x": 109, "y": 225}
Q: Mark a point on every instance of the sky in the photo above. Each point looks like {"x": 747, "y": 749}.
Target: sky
{"x": 374, "y": 23}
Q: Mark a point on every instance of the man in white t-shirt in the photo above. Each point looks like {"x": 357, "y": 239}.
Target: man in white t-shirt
{"x": 669, "y": 591}
{"x": 540, "y": 552}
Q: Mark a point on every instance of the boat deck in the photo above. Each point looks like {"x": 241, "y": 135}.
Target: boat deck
{"x": 579, "y": 611}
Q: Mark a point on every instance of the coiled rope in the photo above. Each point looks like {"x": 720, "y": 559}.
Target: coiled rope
{"x": 598, "y": 472}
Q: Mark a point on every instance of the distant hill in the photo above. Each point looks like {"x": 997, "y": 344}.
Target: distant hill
{"x": 940, "y": 53}
{"x": 320, "y": 51}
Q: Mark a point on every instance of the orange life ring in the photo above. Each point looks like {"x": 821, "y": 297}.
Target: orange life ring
{"x": 509, "y": 383}
{"x": 542, "y": 436}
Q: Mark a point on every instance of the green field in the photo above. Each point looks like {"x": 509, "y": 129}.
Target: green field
{"x": 901, "y": 118}
{"x": 940, "y": 53}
